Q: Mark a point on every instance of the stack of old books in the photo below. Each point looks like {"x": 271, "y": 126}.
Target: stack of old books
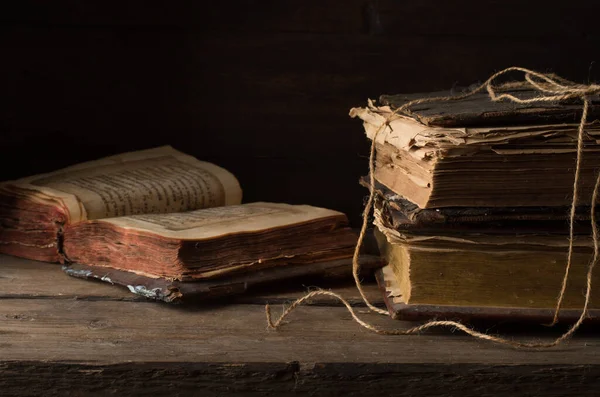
{"x": 472, "y": 205}
{"x": 167, "y": 226}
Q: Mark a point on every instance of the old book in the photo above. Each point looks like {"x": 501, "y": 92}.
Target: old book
{"x": 479, "y": 111}
{"x": 467, "y": 313}
{"x": 480, "y": 153}
{"x": 35, "y": 210}
{"x": 402, "y": 215}
{"x": 175, "y": 291}
{"x": 477, "y": 274}
{"x": 211, "y": 243}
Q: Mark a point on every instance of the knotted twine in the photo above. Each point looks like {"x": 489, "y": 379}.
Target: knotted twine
{"x": 550, "y": 88}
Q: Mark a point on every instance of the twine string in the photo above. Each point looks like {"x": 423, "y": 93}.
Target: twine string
{"x": 563, "y": 286}
{"x": 551, "y": 88}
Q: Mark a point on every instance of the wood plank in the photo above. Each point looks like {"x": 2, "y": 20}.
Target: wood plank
{"x": 113, "y": 332}
{"x": 286, "y": 294}
{"x": 509, "y": 18}
{"x": 268, "y": 379}
{"x": 62, "y": 341}
{"x": 21, "y": 278}
{"x": 173, "y": 379}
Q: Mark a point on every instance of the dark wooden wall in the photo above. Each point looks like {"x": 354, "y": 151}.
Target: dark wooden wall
{"x": 262, "y": 87}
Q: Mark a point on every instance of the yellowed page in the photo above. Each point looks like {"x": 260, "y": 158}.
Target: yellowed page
{"x": 408, "y": 134}
{"x": 157, "y": 180}
{"x": 445, "y": 242}
{"x": 401, "y": 132}
{"x": 215, "y": 222}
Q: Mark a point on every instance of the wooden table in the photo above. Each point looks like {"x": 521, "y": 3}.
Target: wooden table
{"x": 60, "y": 336}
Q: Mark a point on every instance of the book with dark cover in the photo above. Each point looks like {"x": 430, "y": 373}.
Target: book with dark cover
{"x": 479, "y": 110}
{"x": 435, "y": 164}
{"x": 173, "y": 291}
{"x": 401, "y": 214}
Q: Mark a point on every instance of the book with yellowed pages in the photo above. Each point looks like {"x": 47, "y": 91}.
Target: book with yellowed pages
{"x": 171, "y": 223}
{"x": 211, "y": 252}
{"x": 473, "y": 276}
{"x": 482, "y": 153}
{"x": 211, "y": 242}
{"x": 35, "y": 210}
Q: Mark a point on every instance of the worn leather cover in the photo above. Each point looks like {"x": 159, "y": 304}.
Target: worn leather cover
{"x": 177, "y": 291}
{"x": 401, "y": 214}
{"x": 480, "y": 111}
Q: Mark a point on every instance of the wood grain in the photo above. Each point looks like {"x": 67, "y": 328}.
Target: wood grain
{"x": 113, "y": 332}
{"x": 60, "y": 336}
{"x": 267, "y": 379}
{"x": 20, "y": 278}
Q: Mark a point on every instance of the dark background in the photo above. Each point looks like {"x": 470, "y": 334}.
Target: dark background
{"x": 261, "y": 87}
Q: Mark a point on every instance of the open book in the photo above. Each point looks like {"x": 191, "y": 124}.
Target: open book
{"x": 35, "y": 210}
{"x": 168, "y": 219}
